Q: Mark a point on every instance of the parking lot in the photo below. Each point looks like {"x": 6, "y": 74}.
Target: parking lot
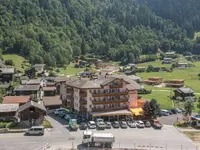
{"x": 166, "y": 138}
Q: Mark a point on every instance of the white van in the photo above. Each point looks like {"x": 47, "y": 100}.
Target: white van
{"x": 35, "y": 130}
{"x": 165, "y": 112}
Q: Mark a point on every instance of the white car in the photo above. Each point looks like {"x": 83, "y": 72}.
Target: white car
{"x": 56, "y": 111}
{"x": 131, "y": 124}
{"x": 140, "y": 124}
{"x": 91, "y": 125}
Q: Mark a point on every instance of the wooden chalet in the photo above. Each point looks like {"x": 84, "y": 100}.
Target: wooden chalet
{"x": 154, "y": 80}
{"x": 177, "y": 83}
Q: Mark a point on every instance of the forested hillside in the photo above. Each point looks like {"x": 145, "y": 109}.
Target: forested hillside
{"x": 54, "y": 31}
{"x": 186, "y": 13}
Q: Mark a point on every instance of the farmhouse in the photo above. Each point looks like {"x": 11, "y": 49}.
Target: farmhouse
{"x": 8, "y": 111}
{"x": 167, "y": 60}
{"x": 16, "y": 100}
{"x": 154, "y": 80}
{"x": 183, "y": 65}
{"x": 177, "y": 83}
{"x": 6, "y": 74}
{"x": 185, "y": 93}
{"x": 39, "y": 68}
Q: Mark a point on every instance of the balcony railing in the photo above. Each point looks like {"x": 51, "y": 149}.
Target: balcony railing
{"x": 70, "y": 97}
{"x": 83, "y": 94}
{"x": 109, "y": 101}
{"x": 83, "y": 102}
{"x": 109, "y": 94}
{"x": 110, "y": 108}
{"x": 82, "y": 109}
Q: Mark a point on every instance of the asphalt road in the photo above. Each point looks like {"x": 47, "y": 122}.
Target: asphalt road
{"x": 168, "y": 138}
{"x": 169, "y": 120}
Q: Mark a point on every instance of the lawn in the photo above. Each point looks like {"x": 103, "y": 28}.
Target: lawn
{"x": 18, "y": 61}
{"x": 190, "y": 75}
{"x": 156, "y": 63}
{"x": 161, "y": 97}
{"x": 70, "y": 70}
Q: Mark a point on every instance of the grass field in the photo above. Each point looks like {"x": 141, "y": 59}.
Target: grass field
{"x": 190, "y": 75}
{"x": 18, "y": 60}
{"x": 197, "y": 34}
{"x": 70, "y": 70}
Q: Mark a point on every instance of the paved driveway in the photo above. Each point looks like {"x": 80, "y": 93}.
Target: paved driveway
{"x": 169, "y": 120}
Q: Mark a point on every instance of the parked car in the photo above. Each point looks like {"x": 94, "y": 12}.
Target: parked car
{"x": 147, "y": 124}
{"x": 178, "y": 110}
{"x": 156, "y": 124}
{"x": 115, "y": 124}
{"x": 56, "y": 111}
{"x": 123, "y": 124}
{"x": 131, "y": 124}
{"x": 174, "y": 111}
{"x": 182, "y": 110}
{"x": 62, "y": 114}
{"x": 83, "y": 126}
{"x": 35, "y": 130}
{"x": 165, "y": 112}
{"x": 108, "y": 125}
{"x": 101, "y": 125}
{"x": 91, "y": 125}
{"x": 140, "y": 124}
{"x": 170, "y": 112}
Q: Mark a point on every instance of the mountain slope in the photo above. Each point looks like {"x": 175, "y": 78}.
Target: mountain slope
{"x": 54, "y": 31}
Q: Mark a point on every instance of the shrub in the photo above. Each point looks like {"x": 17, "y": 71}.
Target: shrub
{"x": 11, "y": 125}
{"x": 9, "y": 62}
{"x": 46, "y": 124}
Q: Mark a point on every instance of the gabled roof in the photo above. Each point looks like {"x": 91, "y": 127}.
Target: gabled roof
{"x": 51, "y": 100}
{"x": 9, "y": 107}
{"x": 31, "y": 104}
{"x": 7, "y": 70}
{"x": 16, "y": 99}
{"x": 27, "y": 88}
{"x": 185, "y": 90}
{"x": 39, "y": 65}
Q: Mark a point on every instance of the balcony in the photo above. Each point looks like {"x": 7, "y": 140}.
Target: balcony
{"x": 83, "y": 94}
{"x": 83, "y": 102}
{"x": 109, "y": 94}
{"x": 70, "y": 97}
{"x": 109, "y": 101}
{"x": 109, "y": 108}
{"x": 116, "y": 86}
{"x": 81, "y": 108}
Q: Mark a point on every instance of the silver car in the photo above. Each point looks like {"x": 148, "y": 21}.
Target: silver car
{"x": 35, "y": 130}
{"x": 140, "y": 124}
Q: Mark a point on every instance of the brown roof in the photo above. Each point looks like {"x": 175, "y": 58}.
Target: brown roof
{"x": 31, "y": 104}
{"x": 15, "y": 99}
{"x": 53, "y": 88}
{"x": 51, "y": 100}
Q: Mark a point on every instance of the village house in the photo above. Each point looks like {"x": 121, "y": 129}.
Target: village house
{"x": 183, "y": 65}
{"x": 6, "y": 74}
{"x": 167, "y": 61}
{"x": 177, "y": 83}
{"x": 40, "y": 68}
{"x": 171, "y": 54}
{"x": 184, "y": 93}
{"x": 107, "y": 94}
{"x": 8, "y": 112}
{"x": 21, "y": 100}
{"x": 34, "y": 90}
{"x": 52, "y": 102}
{"x": 154, "y": 80}
{"x": 31, "y": 114}
{"x": 49, "y": 91}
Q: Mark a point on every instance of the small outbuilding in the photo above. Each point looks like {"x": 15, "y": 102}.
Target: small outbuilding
{"x": 8, "y": 111}
{"x": 184, "y": 93}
